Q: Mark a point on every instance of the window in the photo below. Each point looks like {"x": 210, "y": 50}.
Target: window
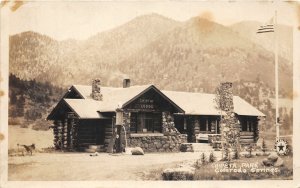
{"x": 142, "y": 122}
{"x": 247, "y": 126}
{"x": 205, "y": 124}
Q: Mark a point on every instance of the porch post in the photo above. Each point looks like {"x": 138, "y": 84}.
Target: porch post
{"x": 216, "y": 127}
{"x": 184, "y": 123}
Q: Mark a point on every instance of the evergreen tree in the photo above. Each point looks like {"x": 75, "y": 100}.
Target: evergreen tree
{"x": 21, "y": 105}
{"x": 264, "y": 146}
{"x": 212, "y": 157}
{"x": 203, "y": 158}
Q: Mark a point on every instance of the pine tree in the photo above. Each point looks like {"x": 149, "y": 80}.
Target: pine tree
{"x": 264, "y": 146}
{"x": 21, "y": 105}
{"x": 212, "y": 157}
{"x": 203, "y": 158}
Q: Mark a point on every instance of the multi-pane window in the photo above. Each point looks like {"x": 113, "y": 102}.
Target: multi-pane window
{"x": 247, "y": 126}
{"x": 142, "y": 122}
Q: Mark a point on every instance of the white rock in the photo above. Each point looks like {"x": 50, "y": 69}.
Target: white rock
{"x": 137, "y": 151}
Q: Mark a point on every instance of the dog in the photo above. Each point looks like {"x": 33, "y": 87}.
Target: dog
{"x": 28, "y": 148}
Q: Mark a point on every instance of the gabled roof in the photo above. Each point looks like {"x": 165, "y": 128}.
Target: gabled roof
{"x": 203, "y": 104}
{"x": 114, "y": 98}
{"x": 85, "y": 108}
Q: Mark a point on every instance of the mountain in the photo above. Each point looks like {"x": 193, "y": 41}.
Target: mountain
{"x": 31, "y": 54}
{"x": 201, "y": 53}
{"x": 196, "y": 54}
{"x": 35, "y": 56}
{"x": 248, "y": 30}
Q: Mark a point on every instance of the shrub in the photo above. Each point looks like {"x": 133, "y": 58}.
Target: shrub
{"x": 41, "y": 125}
{"x": 25, "y": 124}
{"x": 250, "y": 149}
{"x": 264, "y": 146}
{"x": 178, "y": 174}
{"x": 203, "y": 158}
{"x": 212, "y": 157}
{"x": 236, "y": 154}
{"x": 183, "y": 148}
{"x": 14, "y": 121}
{"x": 197, "y": 164}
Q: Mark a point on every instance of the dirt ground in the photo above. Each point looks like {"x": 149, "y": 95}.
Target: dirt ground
{"x": 81, "y": 166}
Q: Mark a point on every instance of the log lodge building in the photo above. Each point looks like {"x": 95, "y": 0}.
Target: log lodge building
{"x": 144, "y": 116}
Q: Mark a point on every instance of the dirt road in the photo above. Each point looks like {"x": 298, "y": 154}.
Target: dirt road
{"x": 80, "y": 166}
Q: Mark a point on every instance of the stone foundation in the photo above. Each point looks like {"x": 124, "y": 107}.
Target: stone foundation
{"x": 167, "y": 141}
{"x": 156, "y": 143}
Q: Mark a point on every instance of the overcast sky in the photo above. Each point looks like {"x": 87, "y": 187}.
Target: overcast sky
{"x": 80, "y": 20}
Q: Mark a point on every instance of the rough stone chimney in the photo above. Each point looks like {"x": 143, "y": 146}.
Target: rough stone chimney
{"x": 126, "y": 83}
{"x": 96, "y": 90}
{"x": 227, "y": 96}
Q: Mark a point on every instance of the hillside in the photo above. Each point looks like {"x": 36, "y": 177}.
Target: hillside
{"x": 149, "y": 49}
{"x": 63, "y": 63}
{"x": 199, "y": 54}
{"x": 30, "y": 102}
{"x": 248, "y": 29}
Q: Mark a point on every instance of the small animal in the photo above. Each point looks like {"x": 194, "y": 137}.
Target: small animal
{"x": 28, "y": 148}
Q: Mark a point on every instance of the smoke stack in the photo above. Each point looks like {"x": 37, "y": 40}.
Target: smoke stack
{"x": 126, "y": 83}
{"x": 227, "y": 96}
{"x": 96, "y": 90}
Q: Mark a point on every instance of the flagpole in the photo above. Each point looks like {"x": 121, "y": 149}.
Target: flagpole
{"x": 276, "y": 75}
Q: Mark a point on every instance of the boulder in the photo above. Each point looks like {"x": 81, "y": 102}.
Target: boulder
{"x": 267, "y": 162}
{"x": 181, "y": 173}
{"x": 273, "y": 157}
{"x": 279, "y": 162}
{"x": 137, "y": 151}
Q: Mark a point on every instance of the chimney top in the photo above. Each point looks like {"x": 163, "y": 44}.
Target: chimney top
{"x": 96, "y": 90}
{"x": 126, "y": 83}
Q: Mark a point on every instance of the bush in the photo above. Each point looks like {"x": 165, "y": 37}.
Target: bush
{"x": 203, "y": 158}
{"x": 178, "y": 174}
{"x": 212, "y": 157}
{"x": 236, "y": 154}
{"x": 263, "y": 146}
{"x": 183, "y": 148}
{"x": 14, "y": 121}
{"x": 42, "y": 125}
{"x": 25, "y": 125}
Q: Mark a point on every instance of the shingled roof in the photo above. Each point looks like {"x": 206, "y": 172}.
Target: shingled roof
{"x": 203, "y": 104}
{"x": 186, "y": 102}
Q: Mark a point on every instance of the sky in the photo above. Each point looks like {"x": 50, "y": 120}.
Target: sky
{"x": 82, "y": 19}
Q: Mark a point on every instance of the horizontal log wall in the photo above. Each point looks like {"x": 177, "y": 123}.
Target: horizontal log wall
{"x": 86, "y": 135}
{"x": 108, "y": 136}
{"x": 247, "y": 137}
{"x": 65, "y": 132}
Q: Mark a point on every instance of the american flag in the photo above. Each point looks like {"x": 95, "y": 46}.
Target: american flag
{"x": 267, "y": 27}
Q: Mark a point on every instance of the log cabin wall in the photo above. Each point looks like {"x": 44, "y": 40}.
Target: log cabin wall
{"x": 249, "y": 129}
{"x": 65, "y": 132}
{"x": 93, "y": 132}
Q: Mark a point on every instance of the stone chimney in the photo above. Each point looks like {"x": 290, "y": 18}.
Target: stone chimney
{"x": 126, "y": 83}
{"x": 96, "y": 90}
{"x": 226, "y": 96}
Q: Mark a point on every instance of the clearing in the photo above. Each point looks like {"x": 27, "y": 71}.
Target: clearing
{"x": 80, "y": 166}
